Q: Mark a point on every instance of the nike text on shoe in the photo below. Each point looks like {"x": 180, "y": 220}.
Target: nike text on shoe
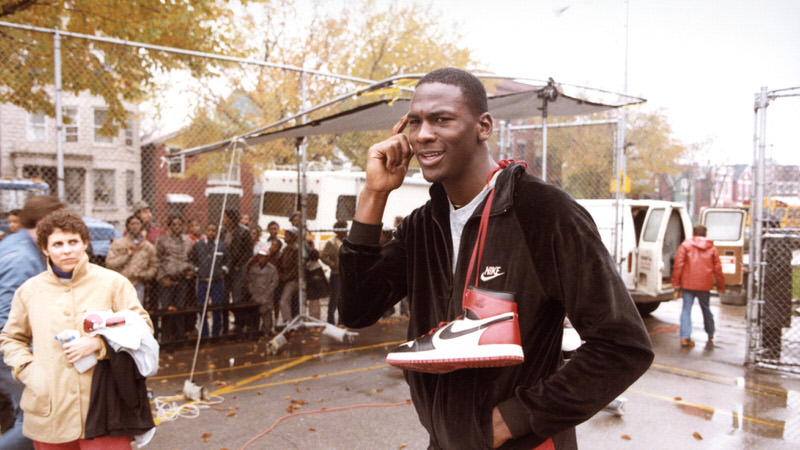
{"x": 487, "y": 335}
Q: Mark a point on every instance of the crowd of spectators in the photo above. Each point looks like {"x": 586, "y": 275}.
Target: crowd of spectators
{"x": 245, "y": 278}
{"x": 250, "y": 276}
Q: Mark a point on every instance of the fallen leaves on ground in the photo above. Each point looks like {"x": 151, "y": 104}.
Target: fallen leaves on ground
{"x": 697, "y": 436}
{"x": 626, "y": 437}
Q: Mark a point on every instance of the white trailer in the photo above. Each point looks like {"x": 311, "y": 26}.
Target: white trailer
{"x": 330, "y": 196}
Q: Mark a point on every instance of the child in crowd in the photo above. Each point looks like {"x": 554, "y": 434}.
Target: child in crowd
{"x": 262, "y": 279}
{"x": 317, "y": 284}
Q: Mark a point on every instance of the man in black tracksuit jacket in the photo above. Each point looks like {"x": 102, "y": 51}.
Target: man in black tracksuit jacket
{"x": 541, "y": 245}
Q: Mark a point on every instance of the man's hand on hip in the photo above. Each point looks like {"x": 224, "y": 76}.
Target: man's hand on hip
{"x": 501, "y": 432}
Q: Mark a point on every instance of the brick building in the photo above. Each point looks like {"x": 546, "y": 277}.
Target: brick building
{"x": 102, "y": 173}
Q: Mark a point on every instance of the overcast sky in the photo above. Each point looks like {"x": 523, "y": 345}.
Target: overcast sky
{"x": 702, "y": 61}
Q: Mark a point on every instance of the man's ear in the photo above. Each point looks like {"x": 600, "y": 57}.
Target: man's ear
{"x": 484, "y": 127}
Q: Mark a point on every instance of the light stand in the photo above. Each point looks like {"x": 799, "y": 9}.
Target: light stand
{"x": 303, "y": 320}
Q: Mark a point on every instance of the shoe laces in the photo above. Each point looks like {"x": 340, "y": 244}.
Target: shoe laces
{"x": 441, "y": 324}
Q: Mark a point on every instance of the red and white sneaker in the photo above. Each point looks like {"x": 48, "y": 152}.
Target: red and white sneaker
{"x": 486, "y": 335}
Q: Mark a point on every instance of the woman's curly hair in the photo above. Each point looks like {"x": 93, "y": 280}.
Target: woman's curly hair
{"x": 64, "y": 220}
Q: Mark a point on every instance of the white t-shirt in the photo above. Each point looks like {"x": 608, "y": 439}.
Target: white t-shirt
{"x": 459, "y": 217}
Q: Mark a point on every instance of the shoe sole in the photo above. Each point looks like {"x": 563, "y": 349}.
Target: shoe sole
{"x": 445, "y": 366}
{"x": 498, "y": 355}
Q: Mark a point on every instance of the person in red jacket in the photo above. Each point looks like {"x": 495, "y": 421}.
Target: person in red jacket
{"x": 697, "y": 267}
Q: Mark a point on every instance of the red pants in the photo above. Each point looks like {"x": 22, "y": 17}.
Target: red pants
{"x": 99, "y": 443}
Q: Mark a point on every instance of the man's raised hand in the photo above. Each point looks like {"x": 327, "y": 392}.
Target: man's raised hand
{"x": 387, "y": 161}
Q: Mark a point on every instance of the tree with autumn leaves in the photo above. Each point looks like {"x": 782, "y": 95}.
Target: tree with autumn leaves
{"x": 580, "y": 158}
{"x": 368, "y": 40}
{"x": 119, "y": 74}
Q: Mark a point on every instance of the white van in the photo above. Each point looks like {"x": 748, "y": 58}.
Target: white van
{"x": 330, "y": 196}
{"x": 651, "y": 232}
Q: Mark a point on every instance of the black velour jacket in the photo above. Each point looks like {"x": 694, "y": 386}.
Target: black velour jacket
{"x": 555, "y": 263}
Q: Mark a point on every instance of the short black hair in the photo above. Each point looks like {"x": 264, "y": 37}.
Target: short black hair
{"x": 471, "y": 87}
{"x": 131, "y": 217}
{"x": 172, "y": 217}
{"x": 233, "y": 214}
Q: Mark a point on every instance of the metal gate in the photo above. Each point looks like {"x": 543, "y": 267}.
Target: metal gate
{"x": 773, "y": 320}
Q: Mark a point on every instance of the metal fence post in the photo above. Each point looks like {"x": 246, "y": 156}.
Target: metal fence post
{"x": 301, "y": 239}
{"x": 756, "y": 214}
{"x": 59, "y": 117}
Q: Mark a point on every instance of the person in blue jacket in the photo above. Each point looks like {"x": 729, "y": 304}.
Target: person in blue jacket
{"x": 20, "y": 259}
{"x": 208, "y": 253}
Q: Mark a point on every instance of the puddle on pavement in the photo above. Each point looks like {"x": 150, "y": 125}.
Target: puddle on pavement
{"x": 762, "y": 401}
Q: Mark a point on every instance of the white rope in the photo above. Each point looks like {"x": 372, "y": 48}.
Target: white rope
{"x": 203, "y": 322}
{"x": 168, "y": 410}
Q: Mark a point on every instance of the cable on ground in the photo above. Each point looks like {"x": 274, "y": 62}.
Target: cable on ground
{"x": 341, "y": 408}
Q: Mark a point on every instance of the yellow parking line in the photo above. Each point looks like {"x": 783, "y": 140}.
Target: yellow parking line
{"x": 707, "y": 408}
{"x": 267, "y": 363}
{"x": 313, "y": 377}
{"x": 289, "y": 362}
{"x": 734, "y": 381}
{"x": 243, "y": 385}
{"x": 232, "y": 387}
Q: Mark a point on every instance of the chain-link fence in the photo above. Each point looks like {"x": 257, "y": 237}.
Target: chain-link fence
{"x": 773, "y": 318}
{"x": 98, "y": 122}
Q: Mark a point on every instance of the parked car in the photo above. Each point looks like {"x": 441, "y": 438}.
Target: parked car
{"x": 101, "y": 234}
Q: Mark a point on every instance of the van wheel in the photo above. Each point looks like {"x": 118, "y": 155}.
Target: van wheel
{"x": 646, "y": 308}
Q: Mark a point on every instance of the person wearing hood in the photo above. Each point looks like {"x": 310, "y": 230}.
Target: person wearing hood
{"x": 697, "y": 268}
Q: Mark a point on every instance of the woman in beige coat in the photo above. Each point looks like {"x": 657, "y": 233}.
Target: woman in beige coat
{"x": 133, "y": 256}
{"x": 56, "y": 398}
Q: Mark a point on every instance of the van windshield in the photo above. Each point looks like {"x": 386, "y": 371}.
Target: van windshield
{"x": 724, "y": 225}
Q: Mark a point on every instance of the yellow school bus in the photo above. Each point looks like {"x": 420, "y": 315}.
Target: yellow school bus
{"x": 782, "y": 211}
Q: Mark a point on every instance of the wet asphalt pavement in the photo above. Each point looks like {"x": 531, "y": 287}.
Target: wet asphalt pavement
{"x": 319, "y": 393}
